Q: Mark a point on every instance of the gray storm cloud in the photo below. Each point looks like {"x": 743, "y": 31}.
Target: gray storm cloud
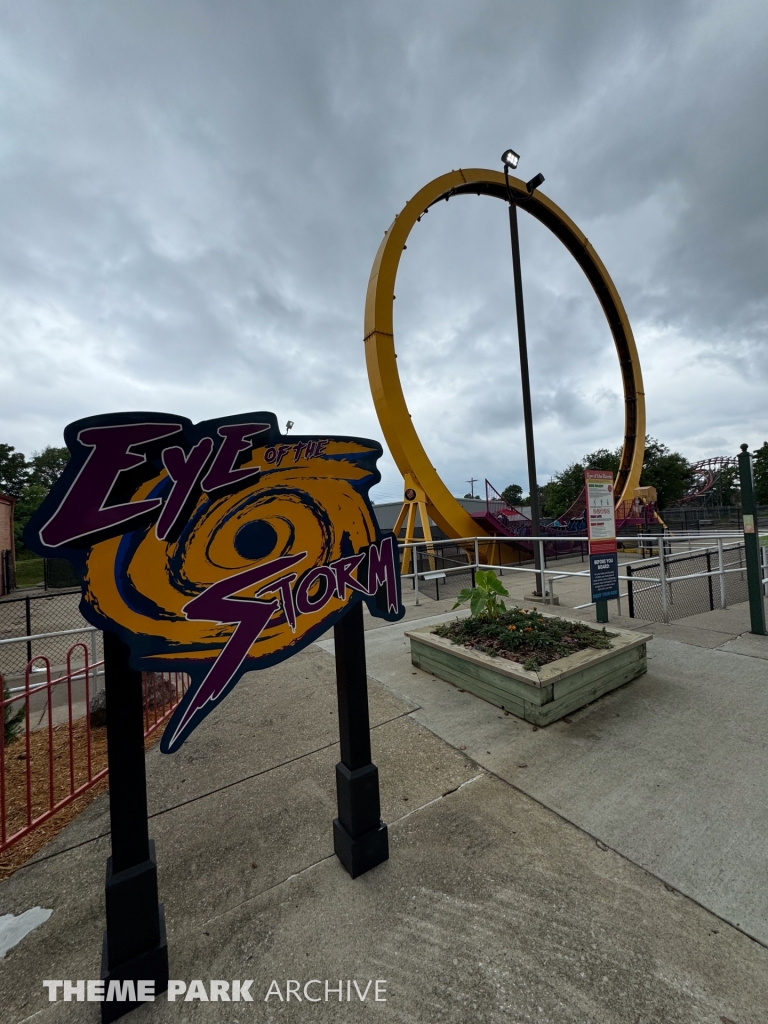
{"x": 193, "y": 194}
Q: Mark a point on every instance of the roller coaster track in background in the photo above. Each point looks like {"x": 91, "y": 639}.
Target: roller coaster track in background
{"x": 425, "y": 492}
{"x": 707, "y": 475}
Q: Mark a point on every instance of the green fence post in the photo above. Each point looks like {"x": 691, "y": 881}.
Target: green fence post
{"x": 601, "y": 607}
{"x": 751, "y": 548}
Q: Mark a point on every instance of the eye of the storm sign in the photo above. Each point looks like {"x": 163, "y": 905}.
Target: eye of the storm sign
{"x": 218, "y": 547}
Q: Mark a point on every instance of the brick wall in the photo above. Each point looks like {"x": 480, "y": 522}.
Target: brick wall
{"x": 6, "y": 531}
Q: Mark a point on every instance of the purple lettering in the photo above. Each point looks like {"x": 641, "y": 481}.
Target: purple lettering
{"x": 184, "y": 471}
{"x": 320, "y": 447}
{"x": 82, "y": 511}
{"x": 221, "y": 473}
{"x": 382, "y": 570}
{"x": 218, "y": 604}
{"x": 282, "y": 450}
{"x": 283, "y": 586}
{"x": 307, "y": 605}
{"x": 342, "y": 570}
{"x": 270, "y": 455}
{"x": 298, "y": 448}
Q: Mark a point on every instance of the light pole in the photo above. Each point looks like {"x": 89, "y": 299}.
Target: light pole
{"x": 510, "y": 159}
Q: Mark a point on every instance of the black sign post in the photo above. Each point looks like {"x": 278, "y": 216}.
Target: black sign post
{"x": 359, "y": 835}
{"x": 751, "y": 543}
{"x": 134, "y": 946}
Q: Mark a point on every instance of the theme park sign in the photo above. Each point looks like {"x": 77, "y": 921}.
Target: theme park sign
{"x": 601, "y": 528}
{"x": 218, "y": 547}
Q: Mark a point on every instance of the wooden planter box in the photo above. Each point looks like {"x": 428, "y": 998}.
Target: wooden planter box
{"x": 540, "y": 697}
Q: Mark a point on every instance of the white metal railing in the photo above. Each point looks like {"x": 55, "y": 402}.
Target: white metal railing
{"x": 47, "y": 636}
{"x": 646, "y": 542}
{"x": 658, "y": 546}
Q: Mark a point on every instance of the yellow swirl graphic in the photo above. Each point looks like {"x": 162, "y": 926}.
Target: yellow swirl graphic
{"x": 312, "y": 507}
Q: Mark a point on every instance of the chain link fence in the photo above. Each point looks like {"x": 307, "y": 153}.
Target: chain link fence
{"x": 438, "y": 583}
{"x": 706, "y": 519}
{"x": 34, "y": 614}
{"x": 687, "y": 596}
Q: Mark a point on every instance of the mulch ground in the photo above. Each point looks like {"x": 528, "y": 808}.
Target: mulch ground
{"x": 18, "y": 766}
{"x": 524, "y": 636}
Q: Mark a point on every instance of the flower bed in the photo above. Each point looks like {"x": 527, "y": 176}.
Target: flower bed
{"x": 530, "y": 677}
{"x": 525, "y": 636}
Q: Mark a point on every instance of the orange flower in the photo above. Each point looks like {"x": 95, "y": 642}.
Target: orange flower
{"x": 511, "y": 627}
{"x": 528, "y": 629}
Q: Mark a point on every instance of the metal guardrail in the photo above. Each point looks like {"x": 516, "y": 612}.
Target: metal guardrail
{"x": 49, "y": 755}
{"x": 456, "y": 561}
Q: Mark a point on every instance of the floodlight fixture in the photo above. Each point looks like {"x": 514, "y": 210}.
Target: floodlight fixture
{"x": 288, "y": 425}
{"x": 510, "y": 158}
{"x": 534, "y": 183}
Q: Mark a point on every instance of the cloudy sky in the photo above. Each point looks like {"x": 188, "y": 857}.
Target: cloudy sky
{"x": 193, "y": 192}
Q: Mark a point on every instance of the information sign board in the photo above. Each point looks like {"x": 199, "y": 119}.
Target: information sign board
{"x": 601, "y": 529}
{"x": 601, "y": 523}
{"x": 604, "y": 576}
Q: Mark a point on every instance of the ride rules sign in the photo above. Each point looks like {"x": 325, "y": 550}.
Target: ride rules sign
{"x": 601, "y": 528}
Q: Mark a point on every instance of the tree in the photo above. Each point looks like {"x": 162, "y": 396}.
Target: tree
{"x": 669, "y": 472}
{"x": 513, "y": 495}
{"x": 603, "y": 459}
{"x": 760, "y": 469}
{"x": 14, "y": 471}
{"x": 29, "y": 482}
{"x": 565, "y": 487}
{"x": 27, "y": 504}
{"x": 728, "y": 486}
{"x": 47, "y": 466}
{"x": 525, "y": 501}
{"x": 562, "y": 490}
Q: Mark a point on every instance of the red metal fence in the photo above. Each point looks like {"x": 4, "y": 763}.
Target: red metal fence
{"x": 50, "y": 752}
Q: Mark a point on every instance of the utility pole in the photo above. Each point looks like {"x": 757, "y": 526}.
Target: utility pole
{"x": 472, "y": 481}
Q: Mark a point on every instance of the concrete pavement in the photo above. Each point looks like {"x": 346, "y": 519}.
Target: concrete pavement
{"x": 669, "y": 770}
{"x": 534, "y": 876}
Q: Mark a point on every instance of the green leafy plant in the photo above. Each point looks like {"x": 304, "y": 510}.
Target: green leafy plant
{"x": 485, "y": 597}
{"x": 12, "y": 720}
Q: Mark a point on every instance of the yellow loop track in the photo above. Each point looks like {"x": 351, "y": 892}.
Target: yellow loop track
{"x": 381, "y": 359}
